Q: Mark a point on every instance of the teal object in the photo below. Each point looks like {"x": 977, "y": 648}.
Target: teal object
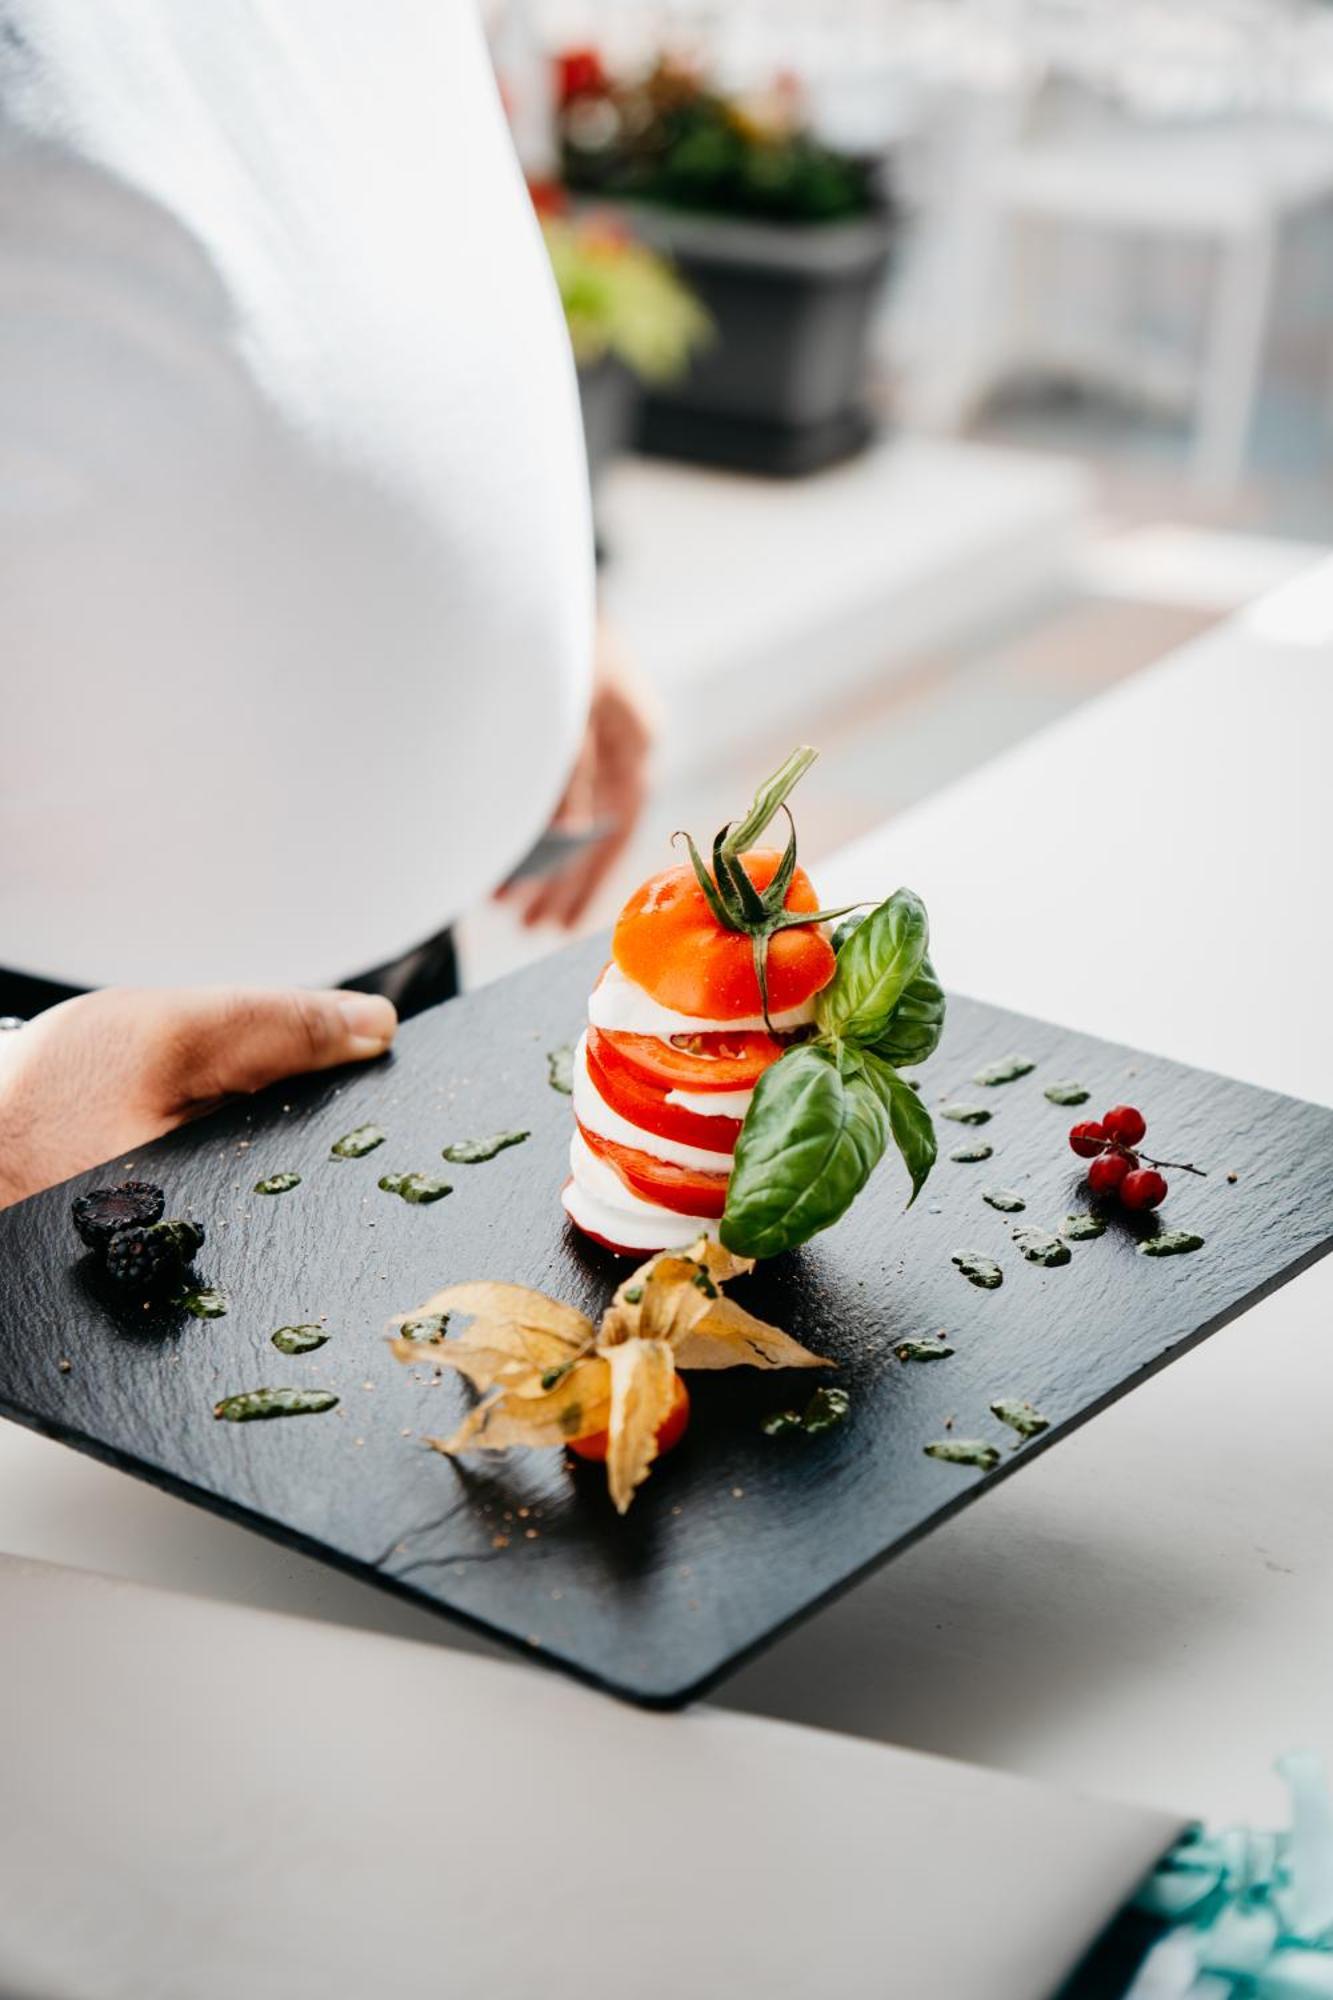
{"x": 1250, "y": 1914}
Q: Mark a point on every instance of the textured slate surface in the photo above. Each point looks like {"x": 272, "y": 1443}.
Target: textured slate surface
{"x": 736, "y": 1534}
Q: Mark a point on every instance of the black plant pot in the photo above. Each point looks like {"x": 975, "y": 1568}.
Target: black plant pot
{"x": 609, "y": 397}
{"x": 781, "y": 388}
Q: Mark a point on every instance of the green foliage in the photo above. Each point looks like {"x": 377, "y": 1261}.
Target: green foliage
{"x": 671, "y": 138}
{"x": 909, "y": 1120}
{"x": 815, "y": 1132}
{"x": 622, "y": 299}
{"x": 877, "y": 963}
{"x": 822, "y": 1116}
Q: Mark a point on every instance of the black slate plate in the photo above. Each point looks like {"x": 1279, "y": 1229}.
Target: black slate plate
{"x": 736, "y": 1534}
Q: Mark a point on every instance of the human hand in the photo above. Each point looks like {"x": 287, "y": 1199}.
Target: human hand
{"x": 608, "y": 788}
{"x": 98, "y": 1076}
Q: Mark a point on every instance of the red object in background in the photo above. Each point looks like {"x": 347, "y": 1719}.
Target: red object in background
{"x": 578, "y": 73}
{"x": 548, "y": 197}
{"x": 605, "y": 234}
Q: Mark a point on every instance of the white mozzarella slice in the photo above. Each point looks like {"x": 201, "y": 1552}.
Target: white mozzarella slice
{"x": 712, "y": 1103}
{"x": 622, "y": 1006}
{"x": 592, "y": 1111}
{"x": 655, "y": 1230}
{"x": 602, "y": 1183}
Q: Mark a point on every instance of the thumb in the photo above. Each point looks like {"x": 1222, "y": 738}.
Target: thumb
{"x": 216, "y": 1041}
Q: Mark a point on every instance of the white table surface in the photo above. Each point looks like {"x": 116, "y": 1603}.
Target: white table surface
{"x": 1148, "y": 1611}
{"x": 206, "y": 1803}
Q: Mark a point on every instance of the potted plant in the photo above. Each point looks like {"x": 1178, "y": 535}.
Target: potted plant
{"x": 785, "y": 241}
{"x": 631, "y": 320}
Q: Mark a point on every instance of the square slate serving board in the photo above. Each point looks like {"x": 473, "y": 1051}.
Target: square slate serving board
{"x": 736, "y": 1534}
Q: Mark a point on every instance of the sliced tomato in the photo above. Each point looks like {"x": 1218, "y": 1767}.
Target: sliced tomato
{"x": 669, "y": 942}
{"x": 684, "y": 1190}
{"x": 696, "y": 1062}
{"x": 645, "y": 1104}
{"x": 669, "y": 1432}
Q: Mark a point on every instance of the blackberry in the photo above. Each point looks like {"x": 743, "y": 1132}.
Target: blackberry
{"x": 146, "y": 1259}
{"x": 101, "y": 1212}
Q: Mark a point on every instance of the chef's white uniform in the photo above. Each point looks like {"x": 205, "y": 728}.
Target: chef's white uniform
{"x": 295, "y": 556}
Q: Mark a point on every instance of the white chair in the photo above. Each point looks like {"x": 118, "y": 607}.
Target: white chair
{"x": 1050, "y": 185}
{"x": 1228, "y": 187}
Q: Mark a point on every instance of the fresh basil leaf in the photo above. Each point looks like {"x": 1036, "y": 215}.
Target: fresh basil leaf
{"x": 916, "y": 1023}
{"x": 813, "y": 1135}
{"x": 914, "y": 1027}
{"x": 909, "y": 1120}
{"x": 876, "y": 965}
{"x": 842, "y": 931}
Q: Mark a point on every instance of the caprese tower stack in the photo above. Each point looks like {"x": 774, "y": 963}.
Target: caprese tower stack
{"x": 713, "y": 975}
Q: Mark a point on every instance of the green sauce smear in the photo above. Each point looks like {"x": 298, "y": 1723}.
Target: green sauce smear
{"x": 1171, "y": 1243}
{"x": 416, "y": 1188}
{"x": 1066, "y": 1093}
{"x": 1040, "y": 1247}
{"x": 560, "y": 1069}
{"x": 278, "y": 1184}
{"x": 471, "y": 1152}
{"x": 929, "y": 1349}
{"x": 967, "y": 1156}
{"x": 1020, "y": 1416}
{"x": 252, "y": 1405}
{"x": 966, "y": 1114}
{"x": 1081, "y": 1228}
{"x": 426, "y": 1326}
{"x": 205, "y": 1304}
{"x": 964, "y": 1451}
{"x": 826, "y": 1409}
{"x": 356, "y": 1144}
{"x": 1007, "y": 1070}
{"x": 979, "y": 1270}
{"x": 1004, "y": 1199}
{"x": 299, "y": 1339}
{"x": 781, "y": 1423}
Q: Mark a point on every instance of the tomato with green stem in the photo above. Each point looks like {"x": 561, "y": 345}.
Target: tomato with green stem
{"x": 668, "y": 941}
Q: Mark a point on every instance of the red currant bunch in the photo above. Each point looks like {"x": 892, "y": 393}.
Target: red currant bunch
{"x": 1115, "y": 1168}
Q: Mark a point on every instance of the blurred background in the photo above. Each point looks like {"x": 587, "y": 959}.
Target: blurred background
{"x": 943, "y": 362}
